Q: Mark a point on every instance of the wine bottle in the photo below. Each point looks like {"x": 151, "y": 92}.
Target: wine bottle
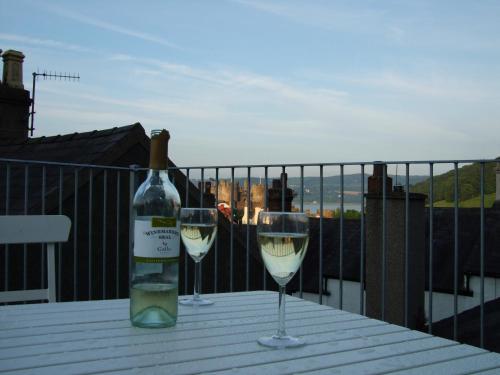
{"x": 155, "y": 258}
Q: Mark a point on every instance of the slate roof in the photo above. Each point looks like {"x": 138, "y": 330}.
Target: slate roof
{"x": 103, "y": 147}
{"x": 443, "y": 249}
{"x": 469, "y": 323}
{"x": 469, "y": 248}
{"x": 118, "y": 147}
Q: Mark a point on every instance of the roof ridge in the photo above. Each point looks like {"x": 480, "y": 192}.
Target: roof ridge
{"x": 88, "y": 134}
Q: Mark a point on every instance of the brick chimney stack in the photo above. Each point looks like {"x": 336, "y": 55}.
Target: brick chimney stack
{"x": 393, "y": 297}
{"x": 13, "y": 69}
{"x": 14, "y": 100}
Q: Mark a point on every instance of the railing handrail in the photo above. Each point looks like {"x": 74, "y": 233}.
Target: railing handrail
{"x": 273, "y": 165}
{"x": 335, "y": 164}
{"x": 63, "y": 164}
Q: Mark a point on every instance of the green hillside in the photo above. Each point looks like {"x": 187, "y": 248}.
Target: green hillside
{"x": 468, "y": 182}
{"x": 489, "y": 199}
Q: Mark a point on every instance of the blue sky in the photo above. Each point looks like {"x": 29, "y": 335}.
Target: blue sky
{"x": 270, "y": 81}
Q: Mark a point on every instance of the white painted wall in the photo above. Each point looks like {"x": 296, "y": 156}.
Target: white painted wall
{"x": 350, "y": 297}
{"x": 442, "y": 303}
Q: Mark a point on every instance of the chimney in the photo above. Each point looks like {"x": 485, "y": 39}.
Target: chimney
{"x": 13, "y": 69}
{"x": 14, "y": 100}
{"x": 275, "y": 195}
{"x": 393, "y": 297}
{"x": 375, "y": 182}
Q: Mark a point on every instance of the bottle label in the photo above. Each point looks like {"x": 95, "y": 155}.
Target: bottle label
{"x": 156, "y": 239}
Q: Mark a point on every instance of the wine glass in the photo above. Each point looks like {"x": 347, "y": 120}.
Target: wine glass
{"x": 283, "y": 238}
{"x": 198, "y": 230}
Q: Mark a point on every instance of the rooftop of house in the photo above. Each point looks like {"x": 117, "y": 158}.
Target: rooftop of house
{"x": 469, "y": 323}
{"x": 100, "y": 147}
{"x": 117, "y": 147}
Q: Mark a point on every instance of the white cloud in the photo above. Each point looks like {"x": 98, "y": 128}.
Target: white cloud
{"x": 434, "y": 85}
{"x": 140, "y": 107}
{"x": 330, "y": 17}
{"x": 400, "y": 23}
{"x": 50, "y": 43}
{"x": 111, "y": 27}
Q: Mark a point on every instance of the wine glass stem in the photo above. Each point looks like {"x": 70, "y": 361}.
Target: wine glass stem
{"x": 197, "y": 281}
{"x": 281, "y": 325}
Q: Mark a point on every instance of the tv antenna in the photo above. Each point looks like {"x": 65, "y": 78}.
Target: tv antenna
{"x": 47, "y": 75}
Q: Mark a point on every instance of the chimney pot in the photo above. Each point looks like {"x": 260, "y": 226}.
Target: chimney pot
{"x": 13, "y": 69}
{"x": 376, "y": 183}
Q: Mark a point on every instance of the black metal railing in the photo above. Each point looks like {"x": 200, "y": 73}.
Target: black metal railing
{"x": 98, "y": 201}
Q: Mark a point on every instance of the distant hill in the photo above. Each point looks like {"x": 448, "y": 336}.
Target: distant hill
{"x": 331, "y": 186}
{"x": 489, "y": 200}
{"x": 468, "y": 182}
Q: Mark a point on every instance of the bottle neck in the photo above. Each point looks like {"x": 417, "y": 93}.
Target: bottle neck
{"x": 161, "y": 174}
{"x": 158, "y": 153}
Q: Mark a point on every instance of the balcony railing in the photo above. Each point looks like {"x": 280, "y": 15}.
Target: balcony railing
{"x": 94, "y": 264}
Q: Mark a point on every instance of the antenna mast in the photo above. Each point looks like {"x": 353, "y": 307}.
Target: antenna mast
{"x": 45, "y": 75}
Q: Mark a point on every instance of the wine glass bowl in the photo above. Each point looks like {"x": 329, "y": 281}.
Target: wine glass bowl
{"x": 283, "y": 238}
{"x": 198, "y": 231}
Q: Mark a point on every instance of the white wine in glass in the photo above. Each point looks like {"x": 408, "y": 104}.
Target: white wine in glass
{"x": 283, "y": 238}
{"x": 198, "y": 231}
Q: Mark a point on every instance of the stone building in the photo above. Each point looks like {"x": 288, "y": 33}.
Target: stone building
{"x": 250, "y": 211}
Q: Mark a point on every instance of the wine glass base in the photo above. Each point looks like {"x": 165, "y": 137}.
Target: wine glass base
{"x": 195, "y": 302}
{"x": 280, "y": 342}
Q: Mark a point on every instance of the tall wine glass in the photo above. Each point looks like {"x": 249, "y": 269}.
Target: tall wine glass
{"x": 198, "y": 230}
{"x": 283, "y": 238}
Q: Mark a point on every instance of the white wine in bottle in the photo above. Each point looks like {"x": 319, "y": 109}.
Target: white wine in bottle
{"x": 155, "y": 258}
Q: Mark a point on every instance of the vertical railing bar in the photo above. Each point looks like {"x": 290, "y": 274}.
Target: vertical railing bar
{"x": 283, "y": 188}
{"x": 91, "y": 173}
{"x": 321, "y": 234}
{"x": 341, "y": 239}
{"x": 104, "y": 229}
{"x": 59, "y": 245}
{"x": 384, "y": 232}
{"x": 431, "y": 245}
{"x": 247, "y": 269}
{"x": 75, "y": 236}
{"x": 186, "y": 199}
{"x": 481, "y": 297}
{"x": 266, "y": 208}
{"x": 407, "y": 238}
{"x": 231, "y": 248}
{"x": 43, "y": 261}
{"x": 7, "y": 207}
{"x": 202, "y": 190}
{"x": 266, "y": 187}
{"x": 118, "y": 179}
{"x": 25, "y": 246}
{"x": 301, "y": 277}
{"x": 131, "y": 192}
{"x": 217, "y": 236}
{"x": 455, "y": 260}
{"x": 362, "y": 245}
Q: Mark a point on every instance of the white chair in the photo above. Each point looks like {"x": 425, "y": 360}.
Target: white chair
{"x": 24, "y": 229}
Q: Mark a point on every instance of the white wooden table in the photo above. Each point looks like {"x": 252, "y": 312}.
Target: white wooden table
{"x": 95, "y": 337}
